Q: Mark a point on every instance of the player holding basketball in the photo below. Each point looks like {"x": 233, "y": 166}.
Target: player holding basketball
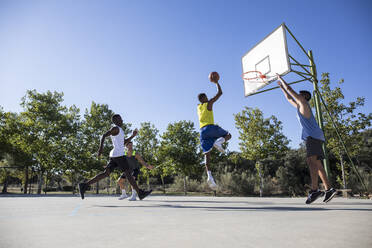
{"x": 210, "y": 134}
{"x": 117, "y": 158}
{"x": 313, "y": 137}
{"x": 133, "y": 158}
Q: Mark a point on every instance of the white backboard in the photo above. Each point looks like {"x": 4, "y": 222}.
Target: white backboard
{"x": 269, "y": 56}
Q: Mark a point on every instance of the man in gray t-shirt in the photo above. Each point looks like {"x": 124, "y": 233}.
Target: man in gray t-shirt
{"x": 134, "y": 160}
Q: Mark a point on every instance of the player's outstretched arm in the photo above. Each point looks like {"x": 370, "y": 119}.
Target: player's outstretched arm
{"x": 288, "y": 96}
{"x": 291, "y": 95}
{"x": 113, "y": 131}
{"x": 140, "y": 159}
{"x": 214, "y": 77}
{"x": 131, "y": 137}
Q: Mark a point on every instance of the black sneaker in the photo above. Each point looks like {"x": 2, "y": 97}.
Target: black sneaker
{"x": 82, "y": 189}
{"x": 329, "y": 194}
{"x": 143, "y": 193}
{"x": 313, "y": 195}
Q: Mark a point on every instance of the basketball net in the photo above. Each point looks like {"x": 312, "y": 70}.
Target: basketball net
{"x": 254, "y": 77}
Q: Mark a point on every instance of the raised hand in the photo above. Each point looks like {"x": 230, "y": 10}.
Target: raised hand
{"x": 214, "y": 77}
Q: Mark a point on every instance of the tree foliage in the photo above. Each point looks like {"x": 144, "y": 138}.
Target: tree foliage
{"x": 180, "y": 148}
{"x": 349, "y": 121}
{"x": 260, "y": 138}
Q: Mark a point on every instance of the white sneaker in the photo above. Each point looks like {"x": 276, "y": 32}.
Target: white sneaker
{"x": 133, "y": 197}
{"x": 212, "y": 184}
{"x": 123, "y": 196}
{"x": 218, "y": 144}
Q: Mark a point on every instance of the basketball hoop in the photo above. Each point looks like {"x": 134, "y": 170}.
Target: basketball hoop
{"x": 254, "y": 77}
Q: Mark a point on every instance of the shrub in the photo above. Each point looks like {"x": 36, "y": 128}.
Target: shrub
{"x": 354, "y": 183}
{"x": 51, "y": 189}
{"x": 67, "y": 188}
{"x": 177, "y": 185}
{"x": 235, "y": 183}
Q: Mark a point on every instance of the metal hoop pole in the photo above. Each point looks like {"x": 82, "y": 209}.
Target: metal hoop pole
{"x": 319, "y": 112}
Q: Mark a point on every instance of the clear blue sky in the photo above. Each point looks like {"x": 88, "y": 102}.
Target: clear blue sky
{"x": 148, "y": 60}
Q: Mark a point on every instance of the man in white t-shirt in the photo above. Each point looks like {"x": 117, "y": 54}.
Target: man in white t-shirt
{"x": 117, "y": 158}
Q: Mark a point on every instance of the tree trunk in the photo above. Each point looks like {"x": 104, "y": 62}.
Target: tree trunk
{"x": 30, "y": 183}
{"x": 40, "y": 182}
{"x": 148, "y": 182}
{"x": 72, "y": 179}
{"x": 261, "y": 184}
{"x": 185, "y": 185}
{"x": 260, "y": 174}
{"x": 25, "y": 186}
{"x": 5, "y": 186}
{"x": 59, "y": 185}
{"x": 97, "y": 187}
{"x": 108, "y": 185}
{"x": 343, "y": 172}
{"x": 162, "y": 182}
{"x": 46, "y": 183}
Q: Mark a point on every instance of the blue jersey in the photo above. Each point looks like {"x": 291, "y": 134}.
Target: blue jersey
{"x": 310, "y": 127}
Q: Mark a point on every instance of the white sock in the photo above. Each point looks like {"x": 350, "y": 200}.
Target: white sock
{"x": 134, "y": 192}
{"x": 123, "y": 192}
{"x": 209, "y": 174}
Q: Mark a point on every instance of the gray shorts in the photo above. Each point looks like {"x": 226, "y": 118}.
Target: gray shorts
{"x": 314, "y": 147}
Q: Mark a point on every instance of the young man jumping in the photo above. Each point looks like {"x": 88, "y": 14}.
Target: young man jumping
{"x": 210, "y": 134}
{"x": 117, "y": 158}
{"x": 313, "y": 137}
{"x": 133, "y": 158}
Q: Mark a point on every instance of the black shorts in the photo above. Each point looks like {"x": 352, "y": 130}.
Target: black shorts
{"x": 134, "y": 173}
{"x": 314, "y": 147}
{"x": 118, "y": 163}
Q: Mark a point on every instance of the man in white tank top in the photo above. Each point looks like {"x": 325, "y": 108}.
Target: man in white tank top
{"x": 313, "y": 137}
{"x": 117, "y": 158}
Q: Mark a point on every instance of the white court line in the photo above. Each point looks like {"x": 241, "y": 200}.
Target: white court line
{"x": 74, "y": 212}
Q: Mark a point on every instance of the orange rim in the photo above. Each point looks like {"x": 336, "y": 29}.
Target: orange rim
{"x": 260, "y": 75}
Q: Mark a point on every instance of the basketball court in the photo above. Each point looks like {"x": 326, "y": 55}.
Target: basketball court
{"x": 182, "y": 221}
{"x": 177, "y": 221}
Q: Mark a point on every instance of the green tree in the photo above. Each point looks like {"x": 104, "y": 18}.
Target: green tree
{"x": 147, "y": 144}
{"x": 349, "y": 121}
{"x": 180, "y": 149}
{"x": 11, "y": 146}
{"x": 44, "y": 120}
{"x": 260, "y": 138}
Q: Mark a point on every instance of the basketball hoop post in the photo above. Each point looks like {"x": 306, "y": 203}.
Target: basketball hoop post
{"x": 319, "y": 111}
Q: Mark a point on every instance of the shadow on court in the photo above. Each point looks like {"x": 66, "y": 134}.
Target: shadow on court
{"x": 217, "y": 208}
{"x": 271, "y": 203}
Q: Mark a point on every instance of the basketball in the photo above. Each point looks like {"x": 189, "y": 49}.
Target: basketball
{"x": 214, "y": 77}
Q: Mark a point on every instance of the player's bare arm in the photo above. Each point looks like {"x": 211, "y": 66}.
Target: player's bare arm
{"x": 300, "y": 101}
{"x": 214, "y": 77}
{"x": 135, "y": 132}
{"x": 288, "y": 96}
{"x": 140, "y": 159}
{"x": 113, "y": 131}
{"x": 296, "y": 97}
